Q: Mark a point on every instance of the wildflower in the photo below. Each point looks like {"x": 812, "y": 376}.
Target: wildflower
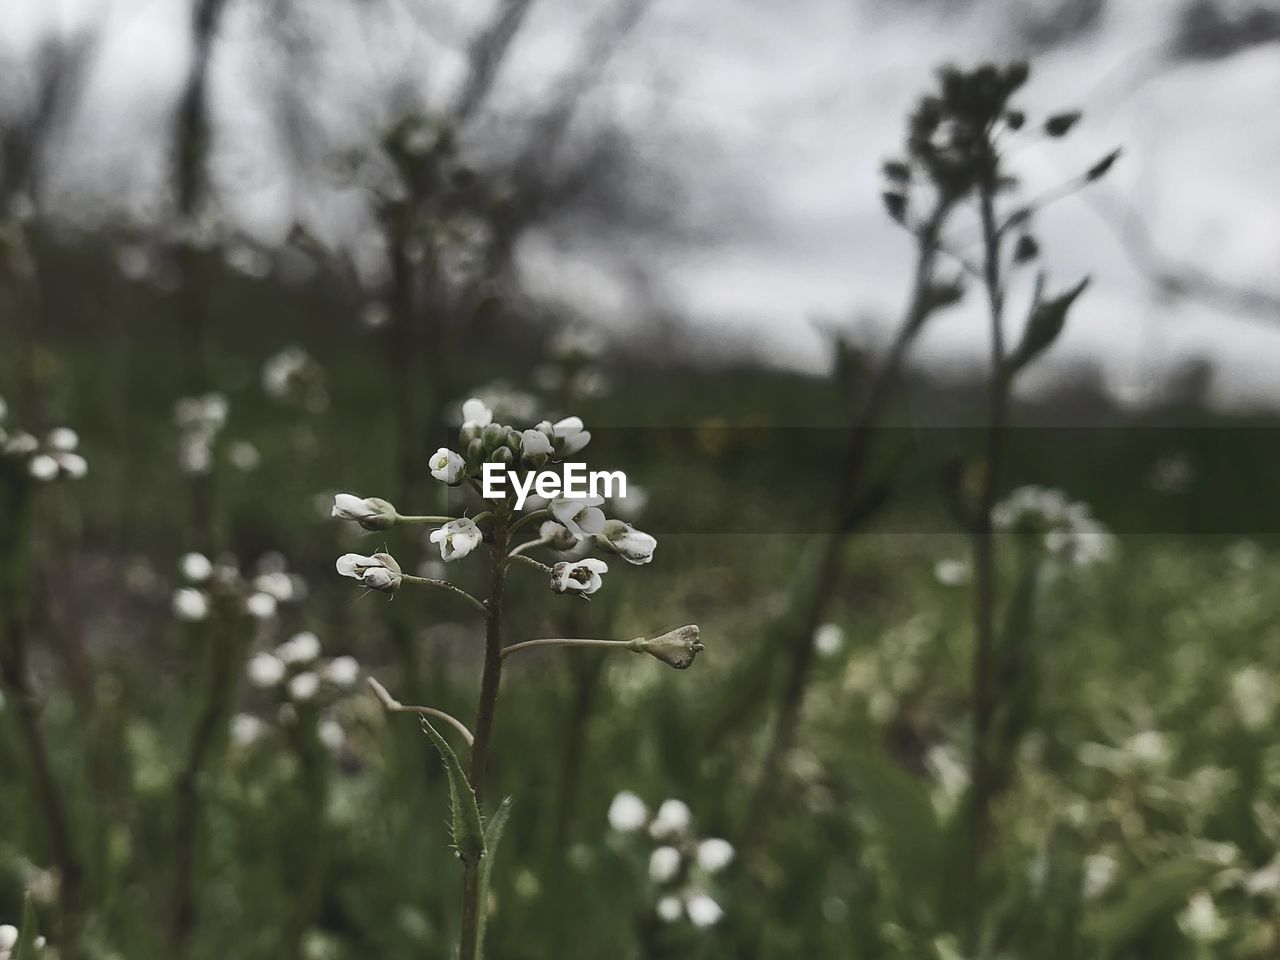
{"x": 669, "y": 909}
{"x": 43, "y": 467}
{"x": 676, "y": 648}
{"x": 330, "y": 733}
{"x": 1100, "y": 870}
{"x": 244, "y": 456}
{"x": 372, "y": 513}
{"x": 63, "y": 439}
{"x": 557, "y": 535}
{"x": 20, "y": 444}
{"x": 714, "y": 854}
{"x": 447, "y": 466}
{"x": 190, "y": 604}
{"x": 260, "y": 606}
{"x": 578, "y": 576}
{"x": 457, "y": 538}
{"x": 571, "y": 435}
{"x": 8, "y": 938}
{"x": 535, "y": 443}
{"x": 629, "y": 543}
{"x": 1200, "y": 920}
{"x": 265, "y": 669}
{"x": 1254, "y": 695}
{"x": 378, "y": 572}
{"x": 673, "y": 817}
{"x": 300, "y": 648}
{"x": 476, "y": 415}
{"x": 303, "y": 686}
{"x": 703, "y": 911}
{"x": 580, "y": 517}
{"x": 245, "y": 729}
{"x": 664, "y": 864}
{"x": 342, "y": 671}
{"x": 627, "y": 812}
{"x": 828, "y": 639}
{"x": 277, "y": 584}
{"x": 951, "y": 572}
{"x": 195, "y": 567}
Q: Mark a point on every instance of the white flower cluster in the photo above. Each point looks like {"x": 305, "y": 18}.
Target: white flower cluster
{"x": 54, "y": 459}
{"x": 572, "y": 522}
{"x": 680, "y": 864}
{"x": 9, "y": 936}
{"x": 1068, "y": 529}
{"x": 294, "y": 377}
{"x": 199, "y": 421}
{"x": 298, "y": 673}
{"x": 259, "y": 596}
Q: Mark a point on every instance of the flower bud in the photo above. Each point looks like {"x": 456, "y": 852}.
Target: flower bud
{"x": 377, "y": 572}
{"x": 503, "y": 455}
{"x": 494, "y": 436}
{"x": 676, "y": 649}
{"x": 372, "y": 513}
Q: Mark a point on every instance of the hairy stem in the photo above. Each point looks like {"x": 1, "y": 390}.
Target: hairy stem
{"x": 450, "y": 588}
{"x": 631, "y": 645}
{"x": 392, "y": 705}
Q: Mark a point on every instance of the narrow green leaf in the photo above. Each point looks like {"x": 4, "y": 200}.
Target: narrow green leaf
{"x": 492, "y": 835}
{"x": 25, "y": 949}
{"x": 1047, "y": 320}
{"x": 468, "y": 834}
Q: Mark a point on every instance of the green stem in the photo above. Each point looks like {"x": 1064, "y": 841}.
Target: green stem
{"x": 441, "y": 521}
{"x": 529, "y": 562}
{"x": 447, "y": 586}
{"x": 632, "y": 645}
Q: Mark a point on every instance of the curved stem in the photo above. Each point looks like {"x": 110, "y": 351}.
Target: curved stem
{"x": 392, "y": 705}
{"x": 632, "y": 645}
{"x": 446, "y": 585}
{"x": 528, "y": 562}
{"x": 529, "y": 518}
{"x": 401, "y": 518}
{"x": 529, "y": 545}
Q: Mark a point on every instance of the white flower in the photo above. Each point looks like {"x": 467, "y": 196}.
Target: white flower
{"x": 476, "y": 414}
{"x": 265, "y": 670}
{"x": 303, "y": 686}
{"x": 244, "y": 455}
{"x": 190, "y": 604}
{"x": 1254, "y": 695}
{"x": 951, "y": 572}
{"x": 669, "y": 909}
{"x": 1200, "y": 920}
{"x": 72, "y": 465}
{"x": 260, "y": 606}
{"x": 195, "y": 567}
{"x": 557, "y": 535}
{"x": 8, "y": 937}
{"x": 331, "y": 734}
{"x": 64, "y": 439}
{"x": 535, "y": 443}
{"x": 703, "y": 911}
{"x": 714, "y": 854}
{"x": 378, "y": 572}
{"x": 43, "y": 467}
{"x": 300, "y": 648}
{"x": 578, "y": 576}
{"x": 627, "y": 812}
{"x": 342, "y": 671}
{"x": 21, "y": 444}
{"x": 1100, "y": 870}
{"x": 828, "y": 639}
{"x": 580, "y": 517}
{"x": 673, "y": 817}
{"x": 664, "y": 864}
{"x": 457, "y": 538}
{"x": 447, "y": 466}
{"x": 245, "y": 729}
{"x": 372, "y": 513}
{"x": 571, "y": 435}
{"x": 277, "y": 584}
{"x": 634, "y": 546}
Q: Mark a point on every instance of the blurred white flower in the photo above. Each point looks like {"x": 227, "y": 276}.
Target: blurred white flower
{"x": 475, "y": 414}
{"x": 245, "y": 729}
{"x": 571, "y": 436}
{"x": 64, "y": 439}
{"x": 664, "y": 864}
{"x": 1100, "y": 871}
{"x": 300, "y": 648}
{"x": 578, "y": 576}
{"x": 714, "y": 854}
{"x": 277, "y": 584}
{"x": 674, "y": 816}
{"x": 72, "y": 465}
{"x": 265, "y": 669}
{"x": 1148, "y": 748}
{"x": 243, "y": 455}
{"x": 1068, "y": 531}
{"x": 557, "y": 535}
{"x": 627, "y": 812}
{"x": 190, "y": 604}
{"x": 260, "y": 606}
{"x": 342, "y": 671}
{"x": 633, "y": 504}
{"x": 43, "y": 467}
{"x": 951, "y": 572}
{"x": 631, "y": 544}
{"x": 447, "y": 466}
{"x": 669, "y": 909}
{"x": 1255, "y": 695}
{"x": 375, "y": 315}
{"x": 378, "y": 572}
{"x": 20, "y": 444}
{"x": 330, "y": 733}
{"x": 828, "y": 639}
{"x": 703, "y": 911}
{"x": 303, "y": 686}
{"x": 1200, "y": 921}
{"x": 195, "y": 567}
{"x": 457, "y": 538}
{"x": 8, "y": 937}
{"x": 580, "y": 517}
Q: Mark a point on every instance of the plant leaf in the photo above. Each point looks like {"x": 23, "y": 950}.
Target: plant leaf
{"x": 468, "y": 834}
{"x": 492, "y": 835}
{"x": 1047, "y": 320}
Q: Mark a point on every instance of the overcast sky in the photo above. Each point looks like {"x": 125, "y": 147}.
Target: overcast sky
{"x": 780, "y": 113}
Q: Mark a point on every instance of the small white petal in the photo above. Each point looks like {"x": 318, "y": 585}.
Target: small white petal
{"x": 195, "y": 567}
{"x": 703, "y": 911}
{"x": 303, "y": 686}
{"x": 664, "y": 864}
{"x": 265, "y": 670}
{"x": 715, "y": 854}
{"x": 627, "y": 812}
{"x": 190, "y": 604}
